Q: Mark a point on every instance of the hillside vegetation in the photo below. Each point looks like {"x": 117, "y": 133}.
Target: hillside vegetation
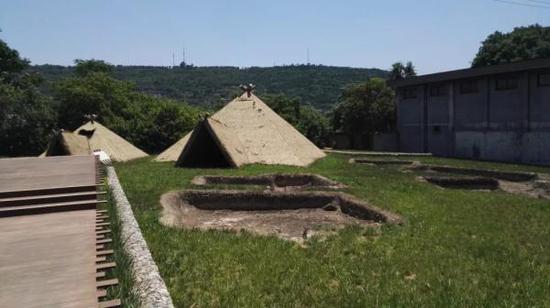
{"x": 318, "y": 86}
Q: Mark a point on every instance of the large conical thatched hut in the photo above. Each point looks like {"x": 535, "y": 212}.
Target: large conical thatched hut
{"x": 245, "y": 131}
{"x": 90, "y": 137}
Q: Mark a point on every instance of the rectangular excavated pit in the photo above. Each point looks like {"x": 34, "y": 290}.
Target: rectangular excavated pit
{"x": 500, "y": 175}
{"x": 288, "y": 215}
{"x": 463, "y": 182}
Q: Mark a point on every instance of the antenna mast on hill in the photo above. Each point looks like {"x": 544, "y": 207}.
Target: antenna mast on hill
{"x": 183, "y": 55}
{"x": 173, "y": 60}
{"x": 307, "y": 51}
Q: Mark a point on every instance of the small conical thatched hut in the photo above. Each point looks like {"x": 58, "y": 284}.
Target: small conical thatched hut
{"x": 245, "y": 131}
{"x": 67, "y": 143}
{"x": 174, "y": 151}
{"x": 90, "y": 137}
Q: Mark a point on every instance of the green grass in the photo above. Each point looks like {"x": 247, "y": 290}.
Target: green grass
{"x": 457, "y": 247}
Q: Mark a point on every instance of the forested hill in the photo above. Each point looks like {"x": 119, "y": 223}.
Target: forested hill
{"x": 318, "y": 86}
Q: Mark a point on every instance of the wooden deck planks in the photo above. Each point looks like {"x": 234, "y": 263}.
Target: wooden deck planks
{"x": 37, "y": 173}
{"x": 48, "y": 260}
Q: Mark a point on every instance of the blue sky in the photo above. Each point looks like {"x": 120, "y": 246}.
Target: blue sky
{"x": 435, "y": 34}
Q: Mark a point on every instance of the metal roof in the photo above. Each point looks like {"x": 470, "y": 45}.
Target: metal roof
{"x": 474, "y": 72}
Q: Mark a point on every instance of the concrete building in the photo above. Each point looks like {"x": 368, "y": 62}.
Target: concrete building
{"x": 499, "y": 113}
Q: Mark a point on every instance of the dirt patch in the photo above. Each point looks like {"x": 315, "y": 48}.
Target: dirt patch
{"x": 290, "y": 215}
{"x": 463, "y": 182}
{"x": 381, "y": 161}
{"x": 500, "y": 175}
{"x": 535, "y": 189}
{"x": 276, "y": 182}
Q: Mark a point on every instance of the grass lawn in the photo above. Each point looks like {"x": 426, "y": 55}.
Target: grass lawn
{"x": 457, "y": 247}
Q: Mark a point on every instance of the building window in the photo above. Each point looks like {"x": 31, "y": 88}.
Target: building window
{"x": 469, "y": 86}
{"x": 506, "y": 83}
{"x": 544, "y": 80}
{"x": 409, "y": 93}
{"x": 438, "y": 90}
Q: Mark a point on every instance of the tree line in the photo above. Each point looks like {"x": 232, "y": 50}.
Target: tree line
{"x": 315, "y": 85}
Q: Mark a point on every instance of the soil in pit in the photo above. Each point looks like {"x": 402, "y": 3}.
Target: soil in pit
{"x": 296, "y": 223}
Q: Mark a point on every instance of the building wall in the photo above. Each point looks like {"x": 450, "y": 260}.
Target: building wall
{"x": 438, "y": 133}
{"x": 504, "y": 124}
{"x": 410, "y": 115}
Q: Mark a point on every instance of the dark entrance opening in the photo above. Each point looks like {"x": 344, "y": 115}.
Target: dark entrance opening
{"x": 86, "y": 133}
{"x": 202, "y": 151}
{"x": 56, "y": 147}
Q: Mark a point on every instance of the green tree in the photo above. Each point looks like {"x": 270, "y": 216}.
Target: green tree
{"x": 26, "y": 119}
{"x": 26, "y": 116}
{"x": 401, "y": 71}
{"x": 11, "y": 64}
{"x": 157, "y": 123}
{"x": 151, "y": 123}
{"x": 95, "y": 93}
{"x": 523, "y": 43}
{"x": 85, "y": 67}
{"x": 306, "y": 119}
{"x": 365, "y": 108}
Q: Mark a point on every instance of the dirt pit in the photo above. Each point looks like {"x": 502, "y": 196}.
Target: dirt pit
{"x": 380, "y": 161}
{"x": 500, "y": 175}
{"x": 521, "y": 183}
{"x": 294, "y": 216}
{"x": 480, "y": 183}
{"x": 275, "y": 182}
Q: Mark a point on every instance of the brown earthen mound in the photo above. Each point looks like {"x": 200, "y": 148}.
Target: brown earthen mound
{"x": 289, "y": 215}
{"x": 292, "y": 181}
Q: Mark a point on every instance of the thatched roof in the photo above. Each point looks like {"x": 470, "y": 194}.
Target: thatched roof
{"x": 67, "y": 143}
{"x": 90, "y": 137}
{"x": 174, "y": 151}
{"x": 246, "y": 131}
{"x": 101, "y": 138}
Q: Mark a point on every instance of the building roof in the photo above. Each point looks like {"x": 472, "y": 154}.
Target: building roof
{"x": 102, "y": 138}
{"x": 75, "y": 144}
{"x": 247, "y": 131}
{"x": 474, "y": 72}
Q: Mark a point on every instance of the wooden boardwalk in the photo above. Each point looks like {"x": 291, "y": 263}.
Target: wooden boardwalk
{"x": 52, "y": 238}
{"x": 31, "y": 173}
{"x": 48, "y": 260}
